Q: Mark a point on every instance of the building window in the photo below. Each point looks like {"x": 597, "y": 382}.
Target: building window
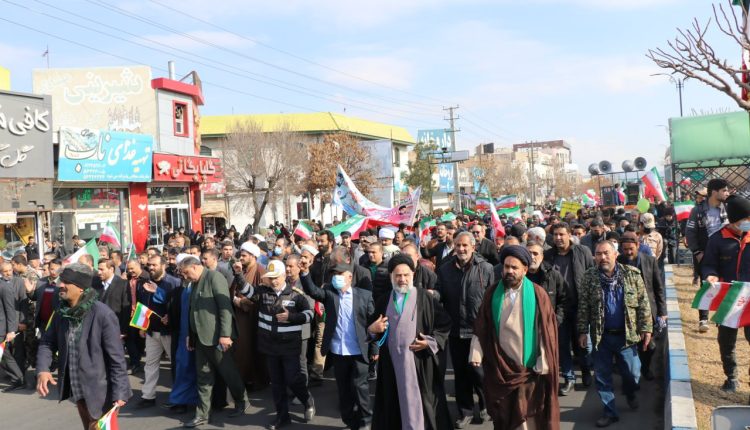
{"x": 396, "y": 157}
{"x": 180, "y": 115}
{"x": 206, "y": 151}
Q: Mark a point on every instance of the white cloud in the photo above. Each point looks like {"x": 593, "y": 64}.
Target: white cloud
{"x": 195, "y": 40}
{"x": 385, "y": 70}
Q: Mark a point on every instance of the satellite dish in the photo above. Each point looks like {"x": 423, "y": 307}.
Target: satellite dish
{"x": 640, "y": 163}
{"x": 605, "y": 166}
{"x": 627, "y": 166}
{"x": 594, "y": 169}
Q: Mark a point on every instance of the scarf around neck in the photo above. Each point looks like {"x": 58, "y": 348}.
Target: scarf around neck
{"x": 528, "y": 304}
{"x": 78, "y": 312}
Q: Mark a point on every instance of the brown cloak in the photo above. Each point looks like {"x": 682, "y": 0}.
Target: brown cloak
{"x": 250, "y": 363}
{"x": 515, "y": 393}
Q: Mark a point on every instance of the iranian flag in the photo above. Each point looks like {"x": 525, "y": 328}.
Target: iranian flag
{"x": 469, "y": 212}
{"x": 424, "y": 228}
{"x": 497, "y": 225}
{"x": 109, "y": 420}
{"x": 131, "y": 255}
{"x": 654, "y": 186}
{"x": 733, "y": 311}
{"x": 90, "y": 248}
{"x": 110, "y": 235}
{"x": 353, "y": 225}
{"x": 507, "y": 201}
{"x": 2, "y": 348}
{"x": 141, "y": 317}
{"x": 514, "y": 212}
{"x": 682, "y": 210}
{"x": 710, "y": 295}
{"x": 303, "y": 230}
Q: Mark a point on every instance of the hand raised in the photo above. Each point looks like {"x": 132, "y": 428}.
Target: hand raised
{"x": 379, "y": 325}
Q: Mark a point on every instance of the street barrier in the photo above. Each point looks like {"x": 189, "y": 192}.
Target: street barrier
{"x": 679, "y": 408}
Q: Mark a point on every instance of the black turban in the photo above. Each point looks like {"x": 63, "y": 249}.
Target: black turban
{"x": 517, "y": 251}
{"x": 400, "y": 259}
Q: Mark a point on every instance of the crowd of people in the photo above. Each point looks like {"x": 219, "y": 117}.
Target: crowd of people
{"x": 513, "y": 309}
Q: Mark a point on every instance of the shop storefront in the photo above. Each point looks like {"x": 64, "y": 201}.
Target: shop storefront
{"x": 26, "y": 168}
{"x": 95, "y": 171}
{"x": 174, "y": 199}
{"x": 85, "y": 209}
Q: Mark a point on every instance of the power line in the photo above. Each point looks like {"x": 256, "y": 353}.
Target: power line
{"x": 172, "y": 30}
{"x": 304, "y": 91}
{"x": 290, "y": 54}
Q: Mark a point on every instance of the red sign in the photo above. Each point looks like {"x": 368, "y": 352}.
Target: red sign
{"x": 187, "y": 168}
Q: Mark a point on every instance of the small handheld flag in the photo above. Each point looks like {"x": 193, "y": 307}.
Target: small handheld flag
{"x": 303, "y": 230}
{"x": 111, "y": 235}
{"x": 2, "y": 348}
{"x": 141, "y": 317}
{"x": 109, "y": 420}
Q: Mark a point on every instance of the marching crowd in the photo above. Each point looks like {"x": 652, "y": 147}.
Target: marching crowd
{"x": 513, "y": 309}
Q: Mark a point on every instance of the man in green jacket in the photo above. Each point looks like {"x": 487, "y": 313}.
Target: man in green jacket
{"x": 211, "y": 333}
{"x": 613, "y": 306}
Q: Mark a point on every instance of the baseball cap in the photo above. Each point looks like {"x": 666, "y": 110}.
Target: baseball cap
{"x": 648, "y": 220}
{"x": 275, "y": 269}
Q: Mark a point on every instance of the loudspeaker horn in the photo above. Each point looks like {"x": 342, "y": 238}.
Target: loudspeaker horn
{"x": 640, "y": 163}
{"x": 593, "y": 169}
{"x": 627, "y": 166}
{"x": 605, "y": 166}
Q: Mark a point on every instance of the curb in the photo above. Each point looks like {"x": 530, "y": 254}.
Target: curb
{"x": 679, "y": 407}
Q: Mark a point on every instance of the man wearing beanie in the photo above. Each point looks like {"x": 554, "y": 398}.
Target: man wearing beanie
{"x": 725, "y": 261}
{"x": 706, "y": 218}
{"x": 86, "y": 335}
{"x": 515, "y": 341}
{"x": 411, "y": 328}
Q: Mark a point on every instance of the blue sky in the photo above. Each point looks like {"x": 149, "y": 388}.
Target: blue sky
{"x": 520, "y": 70}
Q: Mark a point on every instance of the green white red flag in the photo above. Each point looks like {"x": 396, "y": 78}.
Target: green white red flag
{"x": 514, "y": 212}
{"x": 682, "y": 210}
{"x": 353, "y": 225}
{"x": 654, "y": 185}
{"x": 109, "y": 420}
{"x": 733, "y": 311}
{"x": 303, "y": 230}
{"x": 424, "y": 228}
{"x": 90, "y": 248}
{"x": 111, "y": 235}
{"x": 710, "y": 295}
{"x": 2, "y": 348}
{"x": 141, "y": 317}
{"x": 497, "y": 225}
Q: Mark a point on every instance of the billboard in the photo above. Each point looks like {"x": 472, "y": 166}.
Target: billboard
{"x": 101, "y": 155}
{"x": 381, "y": 152}
{"x": 441, "y": 138}
{"x": 25, "y": 136}
{"x": 105, "y": 98}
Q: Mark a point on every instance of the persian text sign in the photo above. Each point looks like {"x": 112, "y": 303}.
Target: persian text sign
{"x": 187, "y": 168}
{"x": 25, "y": 136}
{"x": 107, "y": 156}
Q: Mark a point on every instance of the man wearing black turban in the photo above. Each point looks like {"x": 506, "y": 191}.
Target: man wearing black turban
{"x": 411, "y": 328}
{"x": 515, "y": 341}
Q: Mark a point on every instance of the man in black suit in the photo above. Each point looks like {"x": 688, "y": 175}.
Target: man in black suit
{"x": 652, "y": 278}
{"x": 9, "y": 327}
{"x": 444, "y": 248}
{"x": 92, "y": 368}
{"x": 45, "y": 294}
{"x": 113, "y": 292}
{"x": 346, "y": 341}
{"x": 485, "y": 247}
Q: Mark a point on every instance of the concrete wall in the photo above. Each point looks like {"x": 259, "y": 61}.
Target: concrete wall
{"x": 168, "y": 142}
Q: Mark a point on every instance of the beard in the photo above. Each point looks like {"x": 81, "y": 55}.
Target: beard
{"x": 401, "y": 289}
{"x": 511, "y": 280}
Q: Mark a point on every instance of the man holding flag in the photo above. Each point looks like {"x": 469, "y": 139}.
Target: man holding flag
{"x": 724, "y": 260}
{"x": 86, "y": 335}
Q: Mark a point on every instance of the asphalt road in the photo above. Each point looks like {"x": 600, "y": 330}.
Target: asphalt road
{"x": 24, "y": 409}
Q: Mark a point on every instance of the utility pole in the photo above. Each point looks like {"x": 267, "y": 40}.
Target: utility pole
{"x": 532, "y": 175}
{"x": 451, "y": 120}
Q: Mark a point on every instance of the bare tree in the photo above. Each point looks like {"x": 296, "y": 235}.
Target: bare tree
{"x": 339, "y": 149}
{"x": 692, "y": 56}
{"x": 258, "y": 163}
{"x": 502, "y": 176}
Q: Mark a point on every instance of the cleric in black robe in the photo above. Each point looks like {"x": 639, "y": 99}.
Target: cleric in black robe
{"x": 411, "y": 327}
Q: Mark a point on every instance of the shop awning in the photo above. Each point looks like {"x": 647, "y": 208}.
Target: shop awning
{"x": 710, "y": 137}
{"x": 215, "y": 208}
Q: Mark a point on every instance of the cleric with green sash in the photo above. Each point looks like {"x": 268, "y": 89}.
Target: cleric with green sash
{"x": 515, "y": 341}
